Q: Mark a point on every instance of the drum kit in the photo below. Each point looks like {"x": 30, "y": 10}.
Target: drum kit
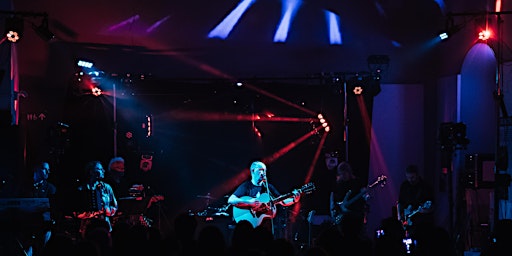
{"x": 212, "y": 211}
{"x": 132, "y": 209}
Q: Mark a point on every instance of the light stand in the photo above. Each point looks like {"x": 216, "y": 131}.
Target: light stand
{"x": 452, "y": 136}
{"x": 114, "y": 103}
{"x": 265, "y": 183}
{"x": 345, "y": 117}
{"x": 498, "y": 94}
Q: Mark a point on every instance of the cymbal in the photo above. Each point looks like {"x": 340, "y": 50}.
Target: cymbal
{"x": 206, "y": 197}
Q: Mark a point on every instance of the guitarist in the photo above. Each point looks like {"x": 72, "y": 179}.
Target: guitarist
{"x": 415, "y": 198}
{"x": 97, "y": 203}
{"x": 346, "y": 187}
{"x": 253, "y": 195}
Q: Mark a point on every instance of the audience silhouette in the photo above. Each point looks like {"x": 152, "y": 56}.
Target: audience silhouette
{"x": 188, "y": 238}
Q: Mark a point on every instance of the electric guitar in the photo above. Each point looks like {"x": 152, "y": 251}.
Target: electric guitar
{"x": 337, "y": 215}
{"x": 267, "y": 208}
{"x": 408, "y": 212}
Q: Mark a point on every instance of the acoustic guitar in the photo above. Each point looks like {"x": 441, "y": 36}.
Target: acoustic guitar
{"x": 267, "y": 208}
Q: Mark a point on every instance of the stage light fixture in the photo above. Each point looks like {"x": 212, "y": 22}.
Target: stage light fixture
{"x": 358, "y": 90}
{"x": 484, "y": 35}
{"x": 43, "y": 31}
{"x": 13, "y": 28}
{"x": 449, "y": 29}
{"x": 96, "y": 91}
{"x": 84, "y": 63}
{"x": 448, "y": 32}
{"x": 443, "y": 35}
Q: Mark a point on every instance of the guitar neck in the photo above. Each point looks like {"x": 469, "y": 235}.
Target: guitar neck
{"x": 355, "y": 198}
{"x": 305, "y": 189}
{"x": 282, "y": 198}
{"x": 364, "y": 191}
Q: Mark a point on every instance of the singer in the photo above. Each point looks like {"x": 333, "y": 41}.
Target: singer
{"x": 255, "y": 200}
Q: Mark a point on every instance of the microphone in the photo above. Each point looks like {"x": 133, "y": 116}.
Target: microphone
{"x": 263, "y": 179}
{"x": 310, "y": 215}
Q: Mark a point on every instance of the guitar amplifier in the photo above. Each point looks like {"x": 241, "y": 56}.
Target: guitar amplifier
{"x": 479, "y": 171}
{"x": 23, "y": 213}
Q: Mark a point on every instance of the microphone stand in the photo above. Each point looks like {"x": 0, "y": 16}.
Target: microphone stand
{"x": 265, "y": 183}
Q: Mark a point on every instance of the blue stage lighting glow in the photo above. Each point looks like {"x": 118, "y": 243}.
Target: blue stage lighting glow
{"x": 333, "y": 23}
{"x": 289, "y": 11}
{"x": 224, "y": 28}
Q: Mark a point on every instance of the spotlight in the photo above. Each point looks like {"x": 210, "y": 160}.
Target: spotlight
{"x": 358, "y": 90}
{"x": 444, "y": 35}
{"x": 357, "y": 85}
{"x": 84, "y": 63}
{"x": 96, "y": 91}
{"x": 13, "y": 28}
{"x": 449, "y": 29}
{"x": 484, "y": 35}
{"x": 448, "y": 32}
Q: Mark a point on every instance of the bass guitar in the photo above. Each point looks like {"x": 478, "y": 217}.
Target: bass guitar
{"x": 337, "y": 215}
{"x": 267, "y": 208}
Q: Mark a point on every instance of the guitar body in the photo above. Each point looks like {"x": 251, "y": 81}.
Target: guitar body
{"x": 341, "y": 207}
{"x": 255, "y": 216}
{"x": 268, "y": 207}
{"x": 409, "y": 212}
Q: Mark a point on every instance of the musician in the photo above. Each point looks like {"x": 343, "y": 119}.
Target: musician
{"x": 42, "y": 187}
{"x": 348, "y": 197}
{"x": 415, "y": 197}
{"x": 256, "y": 195}
{"x": 116, "y": 177}
{"x": 97, "y": 198}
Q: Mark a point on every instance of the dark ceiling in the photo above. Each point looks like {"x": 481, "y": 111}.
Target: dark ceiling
{"x": 170, "y": 38}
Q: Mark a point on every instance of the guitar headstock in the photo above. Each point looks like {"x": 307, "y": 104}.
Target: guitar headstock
{"x": 426, "y": 205}
{"x": 380, "y": 180}
{"x": 307, "y": 188}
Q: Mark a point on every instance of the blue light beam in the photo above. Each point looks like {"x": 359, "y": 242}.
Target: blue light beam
{"x": 333, "y": 24}
{"x": 289, "y": 11}
{"x": 226, "y": 26}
